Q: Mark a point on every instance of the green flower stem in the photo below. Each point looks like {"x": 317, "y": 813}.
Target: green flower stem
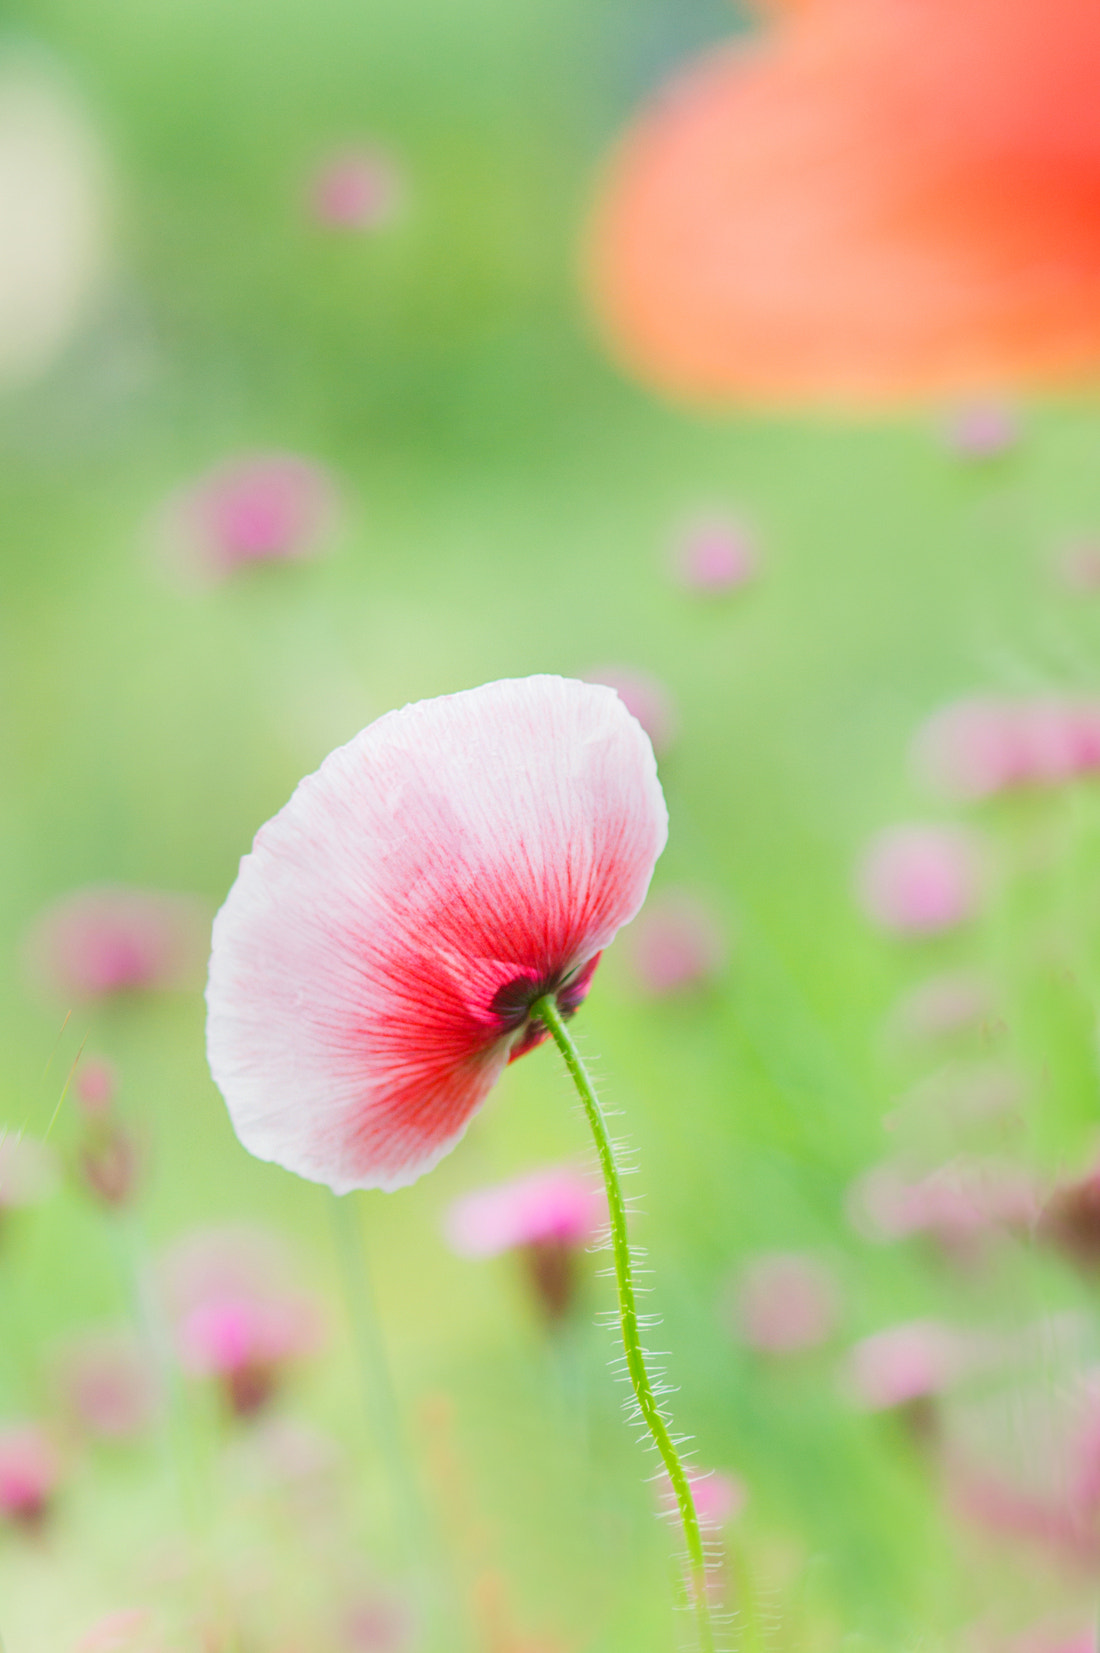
{"x": 427, "y": 1570}
{"x": 379, "y": 1399}
{"x": 547, "y": 1012}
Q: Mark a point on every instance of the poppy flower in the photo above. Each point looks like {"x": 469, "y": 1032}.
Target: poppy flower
{"x": 872, "y": 202}
{"x": 375, "y": 963}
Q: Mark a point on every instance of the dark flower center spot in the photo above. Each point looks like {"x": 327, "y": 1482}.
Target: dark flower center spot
{"x": 511, "y": 1004}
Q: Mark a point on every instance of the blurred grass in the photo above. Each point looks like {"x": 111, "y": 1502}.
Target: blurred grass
{"x": 510, "y": 503}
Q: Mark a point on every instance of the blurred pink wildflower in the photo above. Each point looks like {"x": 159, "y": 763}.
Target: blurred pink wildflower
{"x": 675, "y": 944}
{"x": 378, "y": 1623}
{"x": 906, "y": 1363}
{"x": 558, "y": 1205}
{"x": 1026, "y": 1465}
{"x": 919, "y": 880}
{"x": 714, "y": 556}
{"x": 29, "y": 1172}
{"x": 29, "y": 1473}
{"x": 1047, "y": 1639}
{"x": 129, "y": 1630}
{"x": 548, "y": 1216}
{"x": 982, "y": 746}
{"x": 267, "y": 507}
{"x": 1077, "y": 565}
{"x": 983, "y": 430}
{"x": 942, "y": 1006}
{"x": 960, "y": 1203}
{"x": 355, "y": 189}
{"x": 236, "y": 1318}
{"x": 114, "y": 939}
{"x": 375, "y": 964}
{"x": 786, "y": 1302}
{"x": 110, "y": 1384}
{"x": 645, "y": 698}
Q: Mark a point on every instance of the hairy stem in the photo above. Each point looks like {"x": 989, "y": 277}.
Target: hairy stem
{"x": 546, "y": 1011}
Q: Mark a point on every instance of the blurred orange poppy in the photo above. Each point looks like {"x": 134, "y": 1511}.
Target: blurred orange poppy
{"x": 872, "y": 202}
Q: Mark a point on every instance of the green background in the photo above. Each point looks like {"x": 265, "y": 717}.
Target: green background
{"x": 510, "y": 505}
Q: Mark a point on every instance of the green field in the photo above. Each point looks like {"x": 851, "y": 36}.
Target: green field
{"x": 509, "y": 507}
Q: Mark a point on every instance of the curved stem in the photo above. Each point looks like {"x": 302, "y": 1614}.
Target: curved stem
{"x": 547, "y": 1012}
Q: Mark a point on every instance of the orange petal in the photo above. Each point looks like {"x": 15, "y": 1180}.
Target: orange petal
{"x": 881, "y": 200}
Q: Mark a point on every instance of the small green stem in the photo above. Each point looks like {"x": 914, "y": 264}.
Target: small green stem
{"x": 380, "y": 1401}
{"x": 417, "y": 1539}
{"x": 547, "y": 1012}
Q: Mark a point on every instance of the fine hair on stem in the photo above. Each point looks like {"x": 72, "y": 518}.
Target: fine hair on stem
{"x": 547, "y": 1012}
